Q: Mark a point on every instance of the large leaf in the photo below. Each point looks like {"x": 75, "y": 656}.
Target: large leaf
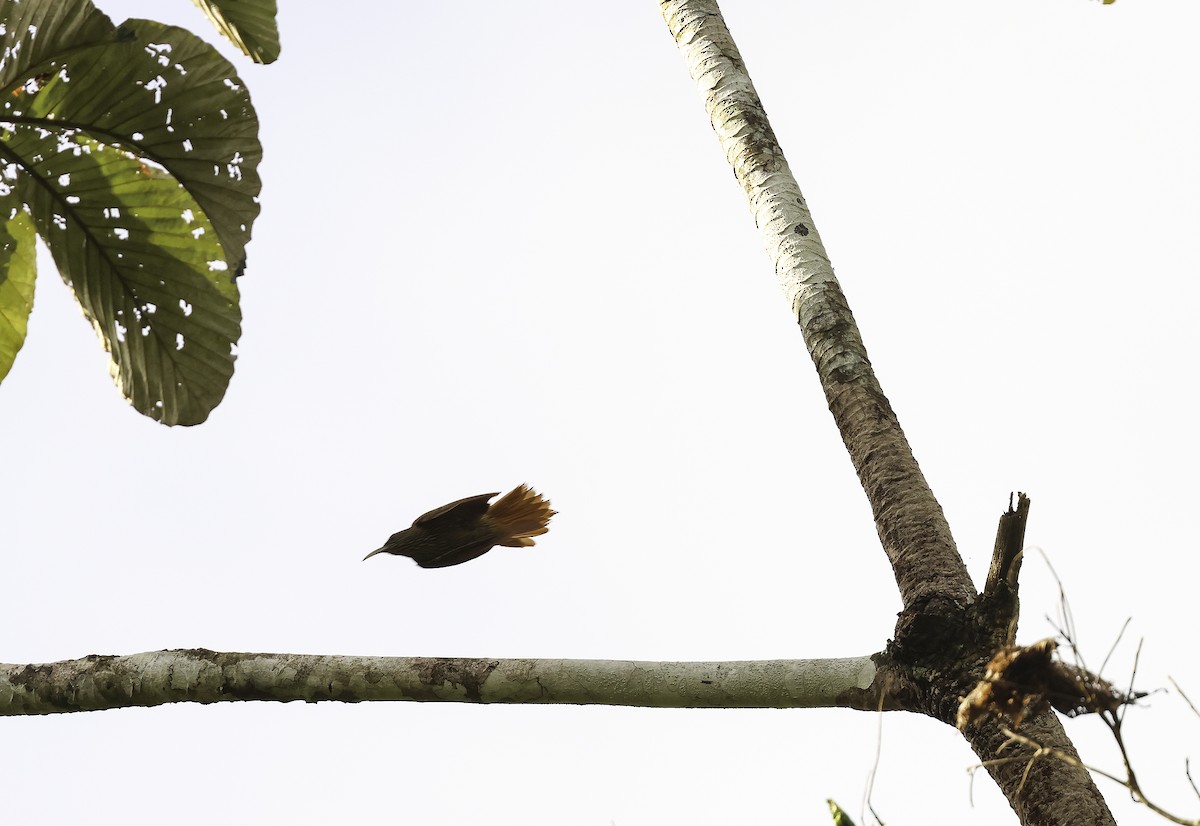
{"x": 249, "y": 25}
{"x": 136, "y": 151}
{"x": 116, "y": 229}
{"x": 18, "y": 269}
{"x": 34, "y": 32}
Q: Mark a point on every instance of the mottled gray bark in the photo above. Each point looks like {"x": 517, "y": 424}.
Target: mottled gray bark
{"x": 200, "y": 676}
{"x": 909, "y": 519}
{"x": 946, "y": 633}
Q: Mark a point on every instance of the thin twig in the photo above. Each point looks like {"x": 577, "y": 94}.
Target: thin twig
{"x": 1130, "y": 784}
{"x": 1186, "y": 699}
{"x": 1065, "y": 627}
{"x": 1132, "y": 676}
{"x": 862, "y": 812}
{"x": 1187, "y": 769}
{"x": 1111, "y": 650}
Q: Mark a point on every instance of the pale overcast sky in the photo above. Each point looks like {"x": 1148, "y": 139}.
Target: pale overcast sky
{"x": 499, "y": 243}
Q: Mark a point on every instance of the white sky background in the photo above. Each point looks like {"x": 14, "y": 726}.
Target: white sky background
{"x": 499, "y": 243}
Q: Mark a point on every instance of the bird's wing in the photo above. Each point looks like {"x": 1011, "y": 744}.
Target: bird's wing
{"x": 464, "y": 510}
{"x": 457, "y": 556}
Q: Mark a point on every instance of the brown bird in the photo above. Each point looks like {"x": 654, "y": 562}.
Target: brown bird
{"x": 463, "y": 530}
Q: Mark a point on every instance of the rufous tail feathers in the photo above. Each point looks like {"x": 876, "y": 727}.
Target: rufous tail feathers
{"x": 518, "y": 516}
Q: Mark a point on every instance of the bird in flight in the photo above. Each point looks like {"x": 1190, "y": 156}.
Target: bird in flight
{"x": 469, "y": 528}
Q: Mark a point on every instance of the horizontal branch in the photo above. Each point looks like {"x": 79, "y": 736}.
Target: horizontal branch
{"x": 154, "y": 678}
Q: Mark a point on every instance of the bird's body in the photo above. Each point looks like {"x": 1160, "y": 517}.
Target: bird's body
{"x": 469, "y": 528}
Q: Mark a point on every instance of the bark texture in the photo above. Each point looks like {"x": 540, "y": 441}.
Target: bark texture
{"x": 1053, "y": 791}
{"x": 201, "y": 676}
{"x": 909, "y": 519}
{"x": 945, "y": 635}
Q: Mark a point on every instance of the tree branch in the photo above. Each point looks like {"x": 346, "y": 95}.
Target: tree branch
{"x": 1041, "y": 789}
{"x": 943, "y": 638}
{"x": 154, "y": 678}
{"x": 909, "y": 519}
{"x": 1000, "y": 592}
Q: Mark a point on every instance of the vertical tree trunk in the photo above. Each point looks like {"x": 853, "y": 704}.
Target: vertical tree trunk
{"x": 942, "y": 640}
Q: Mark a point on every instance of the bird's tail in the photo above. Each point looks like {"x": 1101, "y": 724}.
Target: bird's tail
{"x": 518, "y": 516}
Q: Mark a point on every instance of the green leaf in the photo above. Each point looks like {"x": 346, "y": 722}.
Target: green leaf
{"x": 35, "y": 32}
{"x": 248, "y": 24}
{"x": 164, "y": 95}
{"x": 18, "y": 270}
{"x": 840, "y": 818}
{"x": 121, "y": 239}
{"x": 136, "y": 151}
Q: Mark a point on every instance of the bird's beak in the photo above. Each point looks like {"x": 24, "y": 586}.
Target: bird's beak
{"x": 376, "y": 551}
